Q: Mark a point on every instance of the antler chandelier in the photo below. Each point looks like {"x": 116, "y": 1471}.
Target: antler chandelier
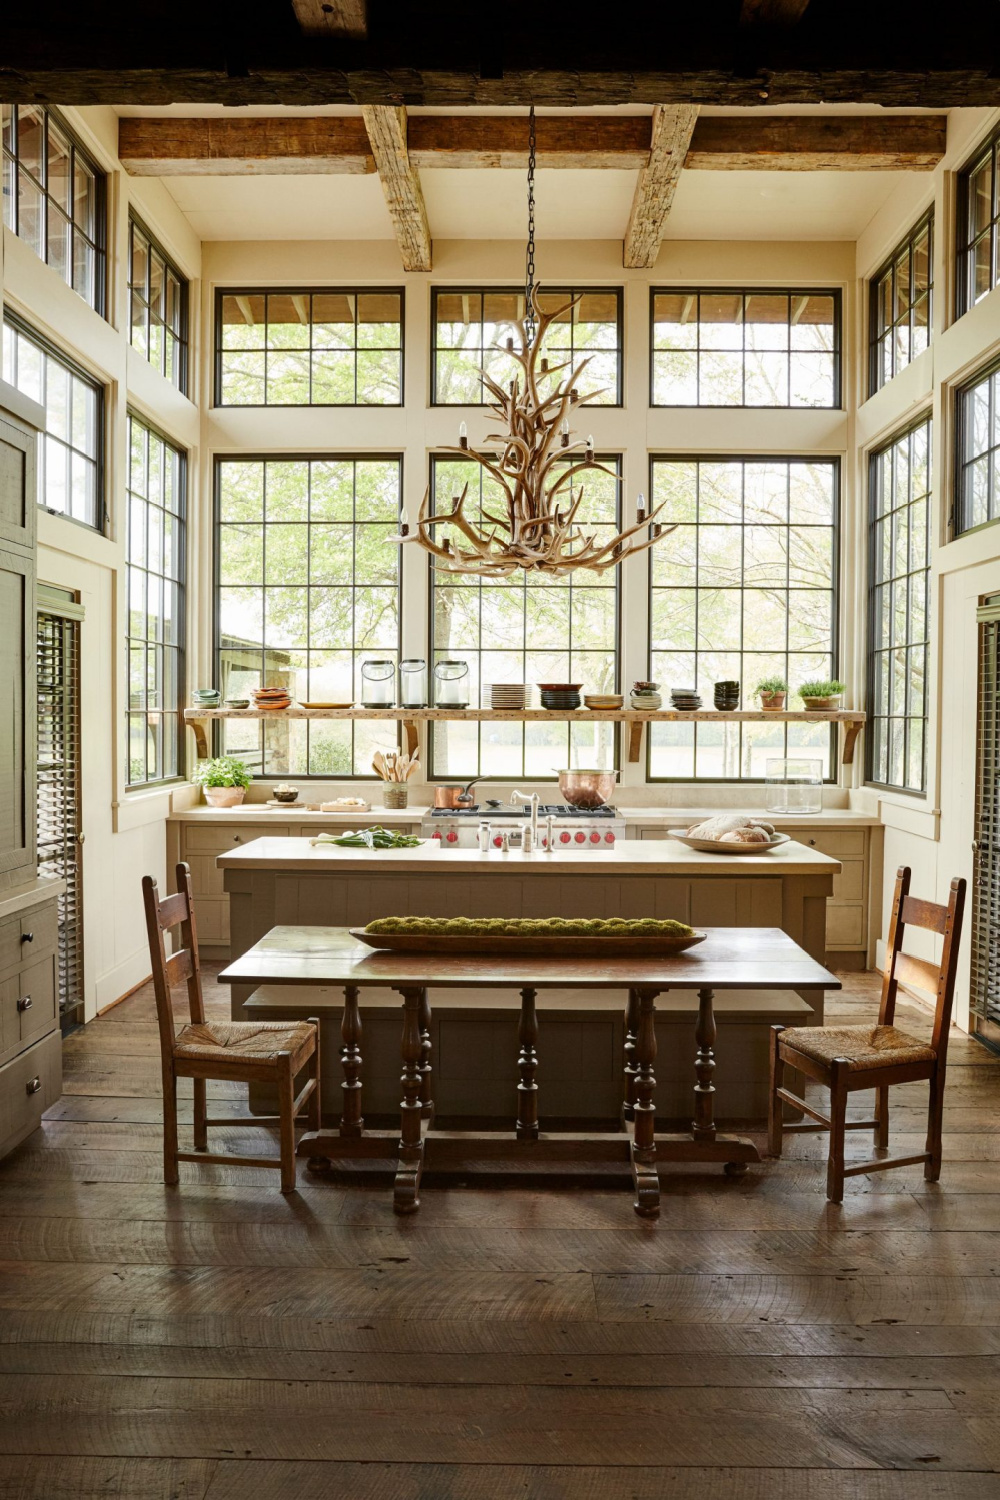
{"x": 534, "y": 464}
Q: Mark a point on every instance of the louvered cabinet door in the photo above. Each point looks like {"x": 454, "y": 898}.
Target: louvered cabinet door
{"x": 59, "y": 809}
{"x": 985, "y": 974}
{"x": 17, "y": 723}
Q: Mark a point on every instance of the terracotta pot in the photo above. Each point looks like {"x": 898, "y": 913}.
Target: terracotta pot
{"x": 224, "y": 796}
{"x": 817, "y": 705}
{"x": 772, "y": 700}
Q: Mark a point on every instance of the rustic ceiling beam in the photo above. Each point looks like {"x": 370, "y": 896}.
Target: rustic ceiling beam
{"x": 386, "y": 126}
{"x": 673, "y": 126}
{"x": 344, "y": 19}
{"x": 772, "y": 12}
{"x": 332, "y": 143}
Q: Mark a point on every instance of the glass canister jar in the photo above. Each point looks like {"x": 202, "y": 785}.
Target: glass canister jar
{"x": 794, "y": 786}
{"x": 451, "y": 684}
{"x": 413, "y": 682}
{"x": 378, "y": 683}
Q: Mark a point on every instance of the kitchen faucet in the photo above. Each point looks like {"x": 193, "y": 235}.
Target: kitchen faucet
{"x": 532, "y": 799}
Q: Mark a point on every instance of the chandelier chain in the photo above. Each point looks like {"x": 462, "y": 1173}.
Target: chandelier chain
{"x": 529, "y": 258}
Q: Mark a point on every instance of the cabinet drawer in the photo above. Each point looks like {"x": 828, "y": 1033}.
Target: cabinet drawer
{"x": 26, "y": 937}
{"x": 849, "y": 885}
{"x": 212, "y": 916}
{"x": 827, "y": 841}
{"x": 28, "y": 1085}
{"x": 845, "y": 926}
{"x": 37, "y": 999}
{"x": 215, "y": 840}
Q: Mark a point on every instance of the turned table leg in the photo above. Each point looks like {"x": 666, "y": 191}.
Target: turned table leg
{"x": 631, "y": 1032}
{"x": 351, "y": 1122}
{"x": 527, "y": 1062}
{"x": 406, "y": 1193}
{"x": 426, "y": 1070}
{"x": 643, "y": 1143}
{"x": 703, "y": 1124}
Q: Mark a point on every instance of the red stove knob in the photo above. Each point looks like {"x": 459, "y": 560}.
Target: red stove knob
{"x": 581, "y": 838}
{"x": 609, "y": 838}
{"x": 451, "y": 836}
{"x": 497, "y": 842}
{"x": 436, "y": 834}
{"x": 564, "y": 837}
{"x": 595, "y": 838}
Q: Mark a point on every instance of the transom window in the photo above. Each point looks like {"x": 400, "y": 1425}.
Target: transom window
{"x": 977, "y": 501}
{"x": 745, "y": 588}
{"x": 745, "y": 348}
{"x": 899, "y": 560}
{"x": 308, "y": 588}
{"x": 299, "y": 347}
{"x": 978, "y": 214}
{"x": 900, "y": 312}
{"x": 472, "y": 325}
{"x": 70, "y": 456}
{"x": 528, "y": 628}
{"x": 155, "y": 543}
{"x": 158, "y": 310}
{"x": 54, "y": 197}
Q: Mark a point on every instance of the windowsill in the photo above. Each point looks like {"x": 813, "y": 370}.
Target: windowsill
{"x": 139, "y": 808}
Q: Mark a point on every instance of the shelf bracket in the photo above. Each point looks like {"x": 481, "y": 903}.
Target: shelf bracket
{"x": 635, "y": 729}
{"x": 200, "y": 728}
{"x": 851, "y": 732}
{"x": 410, "y": 730}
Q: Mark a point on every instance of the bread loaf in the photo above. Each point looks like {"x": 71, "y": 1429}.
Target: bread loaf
{"x": 717, "y": 827}
{"x": 745, "y": 836}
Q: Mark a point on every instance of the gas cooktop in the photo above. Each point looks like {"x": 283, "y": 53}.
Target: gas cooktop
{"x": 546, "y": 810}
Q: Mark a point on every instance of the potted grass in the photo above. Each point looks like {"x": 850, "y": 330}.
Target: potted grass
{"x": 224, "y": 779}
{"x": 821, "y": 694}
{"x": 771, "y": 691}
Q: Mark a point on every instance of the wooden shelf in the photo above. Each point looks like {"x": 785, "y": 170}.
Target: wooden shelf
{"x": 852, "y": 719}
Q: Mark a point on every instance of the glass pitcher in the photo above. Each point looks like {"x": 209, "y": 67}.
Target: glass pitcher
{"x": 413, "y": 682}
{"x": 378, "y": 683}
{"x": 451, "y": 684}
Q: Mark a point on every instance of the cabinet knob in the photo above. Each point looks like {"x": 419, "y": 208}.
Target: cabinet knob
{"x": 34, "y": 1085}
{"x": 24, "y": 1003}
{"x": 812, "y": 841}
{"x": 27, "y": 937}
{"x": 237, "y": 839}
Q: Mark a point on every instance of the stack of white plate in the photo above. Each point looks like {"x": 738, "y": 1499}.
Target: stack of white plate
{"x": 510, "y": 695}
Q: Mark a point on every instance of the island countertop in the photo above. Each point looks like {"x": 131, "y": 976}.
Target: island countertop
{"x": 626, "y": 858}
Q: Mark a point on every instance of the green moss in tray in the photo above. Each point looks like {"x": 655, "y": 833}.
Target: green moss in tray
{"x": 532, "y": 926}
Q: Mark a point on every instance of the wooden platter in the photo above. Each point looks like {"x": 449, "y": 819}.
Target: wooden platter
{"x": 524, "y": 946}
{"x": 715, "y": 846}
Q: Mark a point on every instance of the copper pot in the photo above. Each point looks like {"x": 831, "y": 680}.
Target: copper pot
{"x": 455, "y": 796}
{"x": 587, "y": 788}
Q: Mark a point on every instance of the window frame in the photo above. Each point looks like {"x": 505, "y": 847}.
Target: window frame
{"x": 925, "y": 420}
{"x": 309, "y": 456}
{"x": 181, "y": 582}
{"x": 505, "y": 289}
{"x": 184, "y": 336}
{"x": 99, "y": 244}
{"x": 836, "y": 464}
{"x": 955, "y": 529}
{"x": 51, "y": 350}
{"x": 834, "y": 292}
{"x": 987, "y": 148}
{"x": 888, "y": 267}
{"x": 439, "y": 455}
{"x": 310, "y": 291}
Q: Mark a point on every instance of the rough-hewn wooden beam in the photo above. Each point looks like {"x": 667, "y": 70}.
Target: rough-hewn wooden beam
{"x": 386, "y": 126}
{"x": 772, "y": 12}
{"x": 673, "y": 126}
{"x": 244, "y": 147}
{"x": 347, "y": 19}
{"x": 469, "y": 140}
{"x": 814, "y": 143}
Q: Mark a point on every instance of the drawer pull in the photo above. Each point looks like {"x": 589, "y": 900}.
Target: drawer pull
{"x": 34, "y": 1085}
{"x": 237, "y": 839}
{"x": 27, "y": 937}
{"x": 24, "y": 1003}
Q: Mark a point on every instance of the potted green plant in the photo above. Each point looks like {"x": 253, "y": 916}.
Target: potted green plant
{"x": 821, "y": 693}
{"x": 224, "y": 779}
{"x": 771, "y": 691}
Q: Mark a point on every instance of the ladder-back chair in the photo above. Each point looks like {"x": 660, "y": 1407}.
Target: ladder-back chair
{"x": 240, "y": 1051}
{"x": 848, "y": 1058}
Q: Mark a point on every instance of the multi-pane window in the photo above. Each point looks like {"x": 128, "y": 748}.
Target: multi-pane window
{"x": 899, "y": 319}
{"x": 977, "y": 244}
{"x": 899, "y": 561}
{"x": 308, "y": 589}
{"x": 745, "y": 588}
{"x": 155, "y": 586}
{"x": 299, "y": 347}
{"x": 53, "y": 197}
{"x": 472, "y": 326}
{"x": 745, "y": 348}
{"x": 70, "y": 453}
{"x": 158, "y": 312}
{"x": 529, "y": 628}
{"x": 977, "y": 499}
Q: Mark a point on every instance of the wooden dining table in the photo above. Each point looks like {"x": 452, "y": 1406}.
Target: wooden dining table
{"x": 730, "y": 958}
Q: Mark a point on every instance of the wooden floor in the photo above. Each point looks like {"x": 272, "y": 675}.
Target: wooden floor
{"x": 219, "y": 1342}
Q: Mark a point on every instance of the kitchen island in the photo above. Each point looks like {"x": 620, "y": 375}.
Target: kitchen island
{"x": 286, "y": 881}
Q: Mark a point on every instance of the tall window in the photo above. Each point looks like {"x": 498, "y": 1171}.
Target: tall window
{"x": 745, "y": 348}
{"x": 54, "y": 197}
{"x": 155, "y": 584}
{"x": 978, "y": 215}
{"x": 158, "y": 306}
{"x": 899, "y": 561}
{"x": 977, "y": 499}
{"x": 308, "y": 588}
{"x": 299, "y": 347}
{"x": 71, "y": 479}
{"x": 530, "y": 629}
{"x": 899, "y": 319}
{"x": 472, "y": 326}
{"x": 744, "y": 589}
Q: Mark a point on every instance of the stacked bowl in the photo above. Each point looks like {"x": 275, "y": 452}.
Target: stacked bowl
{"x": 271, "y": 698}
{"x": 603, "y": 701}
{"x": 686, "y": 700}
{"x": 561, "y": 695}
{"x": 509, "y": 695}
{"x": 727, "y": 696}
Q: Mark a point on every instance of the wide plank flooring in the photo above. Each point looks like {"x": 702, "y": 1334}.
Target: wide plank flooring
{"x": 216, "y": 1341}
